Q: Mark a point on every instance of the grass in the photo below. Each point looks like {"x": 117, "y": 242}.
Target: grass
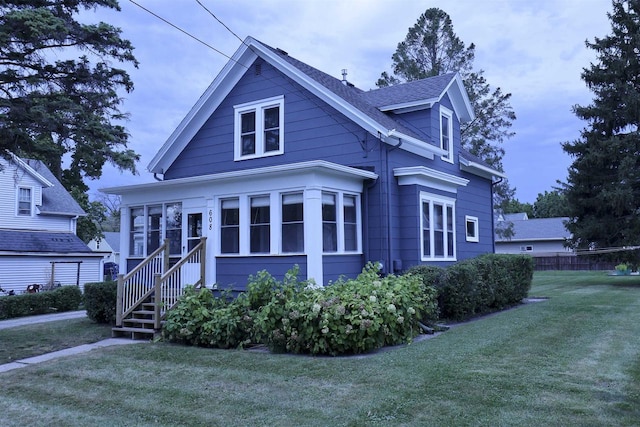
{"x": 33, "y": 340}
{"x": 573, "y": 359}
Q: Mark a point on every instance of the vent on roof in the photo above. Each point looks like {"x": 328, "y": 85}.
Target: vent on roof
{"x": 282, "y": 52}
{"x": 258, "y": 69}
{"x": 344, "y": 77}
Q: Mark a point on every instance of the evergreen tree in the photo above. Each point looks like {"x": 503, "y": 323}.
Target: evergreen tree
{"x": 432, "y": 48}
{"x": 603, "y": 188}
{"x": 59, "y": 92}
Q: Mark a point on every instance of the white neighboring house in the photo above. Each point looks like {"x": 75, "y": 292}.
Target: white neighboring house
{"x": 38, "y": 241}
{"x": 535, "y": 237}
{"x": 110, "y": 243}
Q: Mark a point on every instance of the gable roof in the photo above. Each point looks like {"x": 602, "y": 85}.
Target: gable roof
{"x": 56, "y": 200}
{"x": 538, "y": 229}
{"x": 41, "y": 241}
{"x": 113, "y": 239}
{"x": 357, "y": 105}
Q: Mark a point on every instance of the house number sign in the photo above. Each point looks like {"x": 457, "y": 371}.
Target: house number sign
{"x": 210, "y": 219}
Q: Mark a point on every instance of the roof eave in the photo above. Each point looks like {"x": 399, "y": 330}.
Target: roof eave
{"x": 479, "y": 169}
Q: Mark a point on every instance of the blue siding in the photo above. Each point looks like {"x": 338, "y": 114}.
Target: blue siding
{"x": 336, "y": 266}
{"x": 234, "y": 272}
{"x": 312, "y": 130}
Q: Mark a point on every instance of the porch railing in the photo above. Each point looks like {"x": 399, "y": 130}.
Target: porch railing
{"x": 147, "y": 278}
{"x": 190, "y": 270}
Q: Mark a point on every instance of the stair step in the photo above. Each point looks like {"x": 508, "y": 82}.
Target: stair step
{"x": 134, "y": 333}
{"x": 144, "y": 312}
{"x": 140, "y": 321}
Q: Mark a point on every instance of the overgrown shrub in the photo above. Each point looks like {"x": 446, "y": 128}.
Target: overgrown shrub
{"x": 201, "y": 319}
{"x": 481, "y": 285}
{"x": 100, "y": 301}
{"x": 348, "y": 317}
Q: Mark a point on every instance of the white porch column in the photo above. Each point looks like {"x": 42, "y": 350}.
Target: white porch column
{"x": 125, "y": 234}
{"x": 313, "y": 234}
{"x": 210, "y": 230}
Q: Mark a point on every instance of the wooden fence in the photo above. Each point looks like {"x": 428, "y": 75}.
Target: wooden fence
{"x": 571, "y": 262}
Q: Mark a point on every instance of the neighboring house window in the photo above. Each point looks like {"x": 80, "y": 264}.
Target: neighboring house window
{"x": 471, "y": 226}
{"x": 260, "y": 229}
{"x": 292, "y": 223}
{"x": 24, "y": 201}
{"x": 230, "y": 226}
{"x": 150, "y": 225}
{"x": 446, "y": 133}
{"x": 259, "y": 128}
{"x": 526, "y": 248}
{"x": 438, "y": 228}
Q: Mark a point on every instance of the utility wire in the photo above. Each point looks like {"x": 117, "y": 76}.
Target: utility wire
{"x": 184, "y": 32}
{"x": 221, "y": 23}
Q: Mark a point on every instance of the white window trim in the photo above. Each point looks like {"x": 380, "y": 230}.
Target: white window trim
{"x": 431, "y": 199}
{"x": 258, "y": 107}
{"x": 276, "y": 223}
{"x": 449, "y": 115}
{"x": 32, "y": 201}
{"x": 476, "y": 228}
{"x": 146, "y": 229}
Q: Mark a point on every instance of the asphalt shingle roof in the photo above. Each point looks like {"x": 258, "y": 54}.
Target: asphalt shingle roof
{"x": 40, "y": 241}
{"x": 429, "y": 88}
{"x": 539, "y": 229}
{"x": 56, "y": 199}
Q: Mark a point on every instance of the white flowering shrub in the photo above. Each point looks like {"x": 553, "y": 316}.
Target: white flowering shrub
{"x": 348, "y": 317}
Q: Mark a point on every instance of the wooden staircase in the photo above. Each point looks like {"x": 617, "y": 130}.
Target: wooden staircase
{"x": 148, "y": 291}
{"x": 141, "y": 324}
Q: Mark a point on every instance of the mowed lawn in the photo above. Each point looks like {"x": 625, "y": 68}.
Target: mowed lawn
{"x": 573, "y": 359}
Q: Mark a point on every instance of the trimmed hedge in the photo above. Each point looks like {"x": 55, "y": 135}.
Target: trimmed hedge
{"x": 478, "y": 286}
{"x": 100, "y": 301}
{"x": 65, "y": 298}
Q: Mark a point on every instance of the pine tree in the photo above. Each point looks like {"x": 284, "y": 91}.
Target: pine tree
{"x": 603, "y": 191}
{"x": 59, "y": 91}
{"x": 432, "y": 48}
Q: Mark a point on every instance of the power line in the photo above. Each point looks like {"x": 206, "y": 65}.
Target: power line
{"x": 221, "y": 23}
{"x": 183, "y": 31}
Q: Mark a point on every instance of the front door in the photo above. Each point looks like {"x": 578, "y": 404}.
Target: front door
{"x": 192, "y": 231}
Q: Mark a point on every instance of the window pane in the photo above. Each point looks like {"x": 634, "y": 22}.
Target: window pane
{"x": 438, "y": 227}
{"x": 272, "y": 118}
{"x": 471, "y": 229}
{"x": 445, "y": 133}
{"x": 426, "y": 243}
{"x": 248, "y": 122}
{"x": 271, "y": 140}
{"x": 329, "y": 223}
{"x": 248, "y": 144}
{"x": 230, "y": 226}
{"x": 136, "y": 237}
{"x": 292, "y": 223}
{"x": 260, "y": 231}
{"x": 173, "y": 226}
{"x": 350, "y": 223}
{"x": 450, "y": 242}
{"x": 24, "y": 201}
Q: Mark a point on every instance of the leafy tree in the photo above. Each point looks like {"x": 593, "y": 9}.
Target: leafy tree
{"x": 603, "y": 187}
{"x": 516, "y": 206}
{"x": 551, "y": 204}
{"x": 432, "y": 48}
{"x": 59, "y": 91}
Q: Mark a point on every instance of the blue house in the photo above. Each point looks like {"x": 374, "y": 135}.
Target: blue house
{"x": 281, "y": 164}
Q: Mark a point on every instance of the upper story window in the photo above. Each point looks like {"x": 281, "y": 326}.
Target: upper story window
{"x": 438, "y": 228}
{"x": 259, "y": 128}
{"x": 25, "y": 201}
{"x": 446, "y": 133}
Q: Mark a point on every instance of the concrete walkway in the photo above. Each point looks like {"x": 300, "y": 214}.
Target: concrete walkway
{"x": 29, "y": 320}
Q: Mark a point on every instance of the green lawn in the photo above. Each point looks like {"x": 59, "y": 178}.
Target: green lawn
{"x": 573, "y": 359}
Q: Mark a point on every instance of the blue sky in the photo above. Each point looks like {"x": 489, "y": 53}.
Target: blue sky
{"x": 533, "y": 50}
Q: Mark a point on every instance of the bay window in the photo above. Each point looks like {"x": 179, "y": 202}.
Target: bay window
{"x": 292, "y": 223}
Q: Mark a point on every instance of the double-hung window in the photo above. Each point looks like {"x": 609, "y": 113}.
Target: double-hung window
{"x": 230, "y": 226}
{"x": 259, "y": 130}
{"x": 260, "y": 228}
{"x": 24, "y": 201}
{"x": 339, "y": 222}
{"x": 446, "y": 133}
{"x": 292, "y": 223}
{"x": 438, "y": 228}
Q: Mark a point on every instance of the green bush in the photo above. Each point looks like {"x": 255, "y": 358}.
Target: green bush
{"x": 100, "y": 301}
{"x": 348, "y": 317}
{"x": 61, "y": 299}
{"x": 67, "y": 298}
{"x": 481, "y": 285}
{"x": 199, "y": 318}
